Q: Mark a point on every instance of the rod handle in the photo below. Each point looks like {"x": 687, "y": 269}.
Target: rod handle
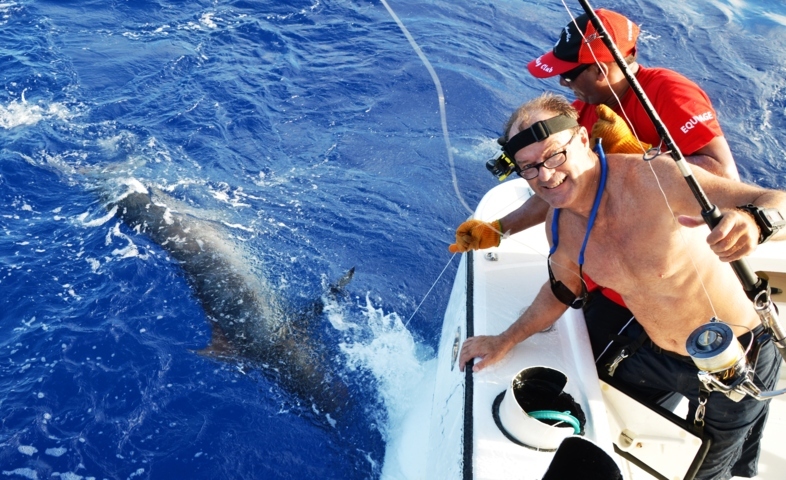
{"x": 751, "y": 282}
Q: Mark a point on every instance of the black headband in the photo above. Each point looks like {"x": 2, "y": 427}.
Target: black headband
{"x": 538, "y": 132}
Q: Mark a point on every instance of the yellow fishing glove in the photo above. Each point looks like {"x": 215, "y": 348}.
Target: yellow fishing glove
{"x": 616, "y": 135}
{"x": 476, "y": 234}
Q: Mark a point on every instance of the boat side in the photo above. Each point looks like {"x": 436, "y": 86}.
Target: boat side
{"x": 492, "y": 287}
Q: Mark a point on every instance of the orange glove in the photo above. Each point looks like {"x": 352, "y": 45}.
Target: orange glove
{"x": 616, "y": 135}
{"x": 476, "y": 234}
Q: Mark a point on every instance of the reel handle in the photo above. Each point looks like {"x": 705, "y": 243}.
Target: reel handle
{"x": 768, "y": 315}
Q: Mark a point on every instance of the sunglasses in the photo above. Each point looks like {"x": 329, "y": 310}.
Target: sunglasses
{"x": 573, "y": 74}
{"x": 565, "y": 294}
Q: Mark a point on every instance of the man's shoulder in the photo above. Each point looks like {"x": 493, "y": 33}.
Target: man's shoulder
{"x": 631, "y": 168}
{"x": 663, "y": 77}
{"x": 587, "y": 114}
{"x": 630, "y": 182}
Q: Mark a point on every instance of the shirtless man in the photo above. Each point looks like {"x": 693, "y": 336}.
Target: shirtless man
{"x": 641, "y": 254}
{"x": 679, "y": 101}
{"x": 602, "y": 95}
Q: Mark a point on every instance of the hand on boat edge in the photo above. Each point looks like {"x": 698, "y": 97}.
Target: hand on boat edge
{"x": 489, "y": 349}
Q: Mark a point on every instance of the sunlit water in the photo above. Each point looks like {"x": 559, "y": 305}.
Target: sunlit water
{"x": 310, "y": 132}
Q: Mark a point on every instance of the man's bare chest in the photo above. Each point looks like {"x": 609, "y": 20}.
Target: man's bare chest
{"x": 625, "y": 255}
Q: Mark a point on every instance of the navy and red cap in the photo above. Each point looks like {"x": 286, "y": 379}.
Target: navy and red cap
{"x": 572, "y": 50}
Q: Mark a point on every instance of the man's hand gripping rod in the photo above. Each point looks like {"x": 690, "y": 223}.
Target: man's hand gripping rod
{"x": 756, "y": 288}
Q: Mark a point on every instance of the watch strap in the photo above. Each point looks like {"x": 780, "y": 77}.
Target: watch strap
{"x": 768, "y": 220}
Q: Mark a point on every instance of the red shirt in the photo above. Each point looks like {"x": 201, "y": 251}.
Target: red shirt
{"x": 682, "y": 106}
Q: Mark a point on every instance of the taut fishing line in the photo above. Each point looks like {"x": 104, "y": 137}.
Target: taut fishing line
{"x": 429, "y": 290}
{"x": 440, "y": 95}
{"x": 445, "y": 134}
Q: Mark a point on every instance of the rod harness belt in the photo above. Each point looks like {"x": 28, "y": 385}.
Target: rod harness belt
{"x": 756, "y": 288}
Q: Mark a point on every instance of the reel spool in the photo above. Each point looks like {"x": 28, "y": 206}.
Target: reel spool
{"x": 714, "y": 348}
{"x": 718, "y": 354}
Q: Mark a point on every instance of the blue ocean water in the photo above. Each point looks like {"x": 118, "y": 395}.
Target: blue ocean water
{"x": 310, "y": 131}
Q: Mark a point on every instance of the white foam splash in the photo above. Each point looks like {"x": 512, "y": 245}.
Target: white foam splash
{"x": 94, "y": 264}
{"x": 71, "y": 476}
{"x": 238, "y": 227}
{"x": 56, "y": 452}
{"x": 129, "y": 251}
{"x": 224, "y": 194}
{"x": 207, "y": 20}
{"x": 20, "y": 113}
{"x": 779, "y": 19}
{"x": 98, "y": 221}
{"x": 28, "y": 450}
{"x": 405, "y": 385}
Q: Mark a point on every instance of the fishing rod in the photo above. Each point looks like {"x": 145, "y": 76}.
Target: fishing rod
{"x": 713, "y": 348}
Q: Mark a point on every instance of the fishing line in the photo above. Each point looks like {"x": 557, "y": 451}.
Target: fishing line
{"x": 644, "y": 151}
{"x": 430, "y": 289}
{"x": 445, "y": 135}
{"x": 440, "y": 95}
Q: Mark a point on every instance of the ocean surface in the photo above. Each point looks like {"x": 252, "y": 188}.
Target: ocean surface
{"x": 309, "y": 132}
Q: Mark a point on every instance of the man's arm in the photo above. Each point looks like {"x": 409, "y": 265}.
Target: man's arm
{"x": 716, "y": 158}
{"x": 736, "y": 235}
{"x": 475, "y": 234}
{"x": 541, "y": 314}
{"x": 544, "y": 311}
{"x": 531, "y": 213}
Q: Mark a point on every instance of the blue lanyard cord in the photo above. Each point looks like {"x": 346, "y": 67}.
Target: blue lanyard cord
{"x": 593, "y": 212}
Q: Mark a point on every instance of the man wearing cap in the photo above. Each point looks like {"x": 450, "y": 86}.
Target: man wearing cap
{"x": 607, "y": 218}
{"x": 586, "y": 66}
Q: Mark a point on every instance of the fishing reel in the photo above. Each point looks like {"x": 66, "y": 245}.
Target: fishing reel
{"x": 723, "y": 364}
{"x": 502, "y": 165}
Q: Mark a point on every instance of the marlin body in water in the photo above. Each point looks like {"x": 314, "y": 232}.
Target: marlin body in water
{"x": 248, "y": 320}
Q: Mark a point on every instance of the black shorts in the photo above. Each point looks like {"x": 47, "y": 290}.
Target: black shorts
{"x": 736, "y": 427}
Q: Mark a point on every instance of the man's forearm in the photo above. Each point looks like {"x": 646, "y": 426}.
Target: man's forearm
{"x": 541, "y": 314}
{"x": 774, "y": 199}
{"x": 531, "y": 213}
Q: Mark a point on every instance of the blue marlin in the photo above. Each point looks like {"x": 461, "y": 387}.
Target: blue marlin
{"x": 248, "y": 321}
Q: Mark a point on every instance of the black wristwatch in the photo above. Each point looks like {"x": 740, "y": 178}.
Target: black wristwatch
{"x": 769, "y": 220}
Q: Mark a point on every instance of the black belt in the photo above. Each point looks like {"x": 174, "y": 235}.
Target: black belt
{"x": 669, "y": 353}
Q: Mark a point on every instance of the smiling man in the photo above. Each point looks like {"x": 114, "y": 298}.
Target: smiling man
{"x": 683, "y": 106}
{"x": 607, "y": 219}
